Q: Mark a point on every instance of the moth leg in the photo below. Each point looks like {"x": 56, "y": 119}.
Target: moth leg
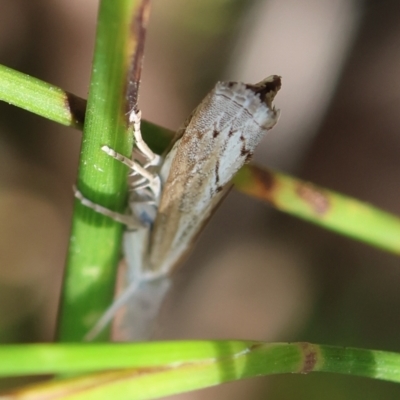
{"x": 135, "y": 118}
{"x": 128, "y": 220}
{"x": 154, "y": 182}
{"x": 145, "y": 295}
{"x": 107, "y": 317}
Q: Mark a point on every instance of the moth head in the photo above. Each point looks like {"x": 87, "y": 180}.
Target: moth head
{"x": 267, "y": 89}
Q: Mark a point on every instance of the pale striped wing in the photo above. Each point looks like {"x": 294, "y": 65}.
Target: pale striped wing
{"x": 221, "y": 136}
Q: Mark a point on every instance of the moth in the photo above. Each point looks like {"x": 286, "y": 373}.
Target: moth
{"x": 172, "y": 197}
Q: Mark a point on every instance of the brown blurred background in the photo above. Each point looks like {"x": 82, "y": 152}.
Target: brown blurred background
{"x": 256, "y": 273}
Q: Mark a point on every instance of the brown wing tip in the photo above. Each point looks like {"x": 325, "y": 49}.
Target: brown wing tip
{"x": 267, "y": 89}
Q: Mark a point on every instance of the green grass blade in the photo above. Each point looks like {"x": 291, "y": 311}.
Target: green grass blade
{"x": 41, "y": 98}
{"x": 69, "y": 358}
{"x": 329, "y": 209}
{"x": 95, "y": 240}
{"x": 153, "y": 370}
{"x": 51, "y": 102}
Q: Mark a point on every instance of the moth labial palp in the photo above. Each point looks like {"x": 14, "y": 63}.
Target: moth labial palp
{"x": 172, "y": 197}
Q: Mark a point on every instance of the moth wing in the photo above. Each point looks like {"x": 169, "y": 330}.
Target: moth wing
{"x": 219, "y": 138}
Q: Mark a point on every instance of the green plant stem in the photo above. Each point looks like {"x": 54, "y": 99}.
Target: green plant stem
{"x": 55, "y": 104}
{"x": 95, "y": 240}
{"x": 331, "y": 210}
{"x": 152, "y": 370}
{"x": 41, "y": 98}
